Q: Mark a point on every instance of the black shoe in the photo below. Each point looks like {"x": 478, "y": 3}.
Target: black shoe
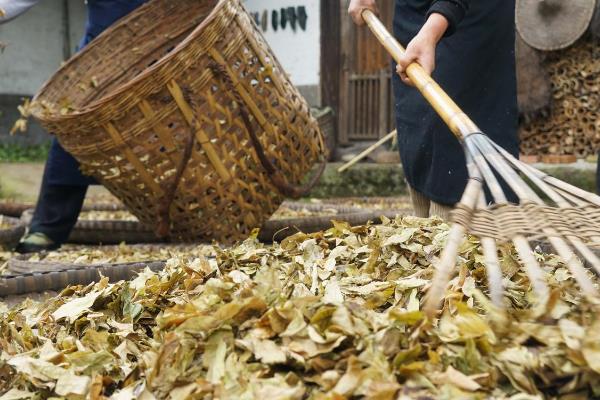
{"x": 35, "y": 243}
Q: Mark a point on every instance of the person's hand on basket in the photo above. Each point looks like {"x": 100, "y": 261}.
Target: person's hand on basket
{"x": 423, "y": 46}
{"x": 358, "y": 6}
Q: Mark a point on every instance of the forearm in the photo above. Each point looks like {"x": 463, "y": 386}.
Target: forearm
{"x": 453, "y": 10}
{"x": 10, "y": 9}
{"x": 434, "y": 29}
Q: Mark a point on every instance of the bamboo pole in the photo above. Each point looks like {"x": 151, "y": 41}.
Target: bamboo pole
{"x": 368, "y": 151}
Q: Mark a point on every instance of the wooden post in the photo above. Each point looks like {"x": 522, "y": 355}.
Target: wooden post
{"x": 66, "y": 31}
{"x": 347, "y": 32}
{"x": 331, "y": 62}
{"x": 383, "y": 102}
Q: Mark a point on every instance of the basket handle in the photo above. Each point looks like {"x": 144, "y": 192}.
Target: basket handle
{"x": 163, "y": 228}
{"x": 276, "y": 178}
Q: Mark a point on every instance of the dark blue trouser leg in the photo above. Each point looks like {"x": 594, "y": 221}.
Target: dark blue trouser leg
{"x": 63, "y": 186}
{"x": 57, "y": 211}
{"x": 61, "y": 195}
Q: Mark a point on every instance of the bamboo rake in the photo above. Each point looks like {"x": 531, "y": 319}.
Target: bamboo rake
{"x": 569, "y": 220}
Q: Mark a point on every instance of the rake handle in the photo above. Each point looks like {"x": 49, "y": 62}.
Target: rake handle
{"x": 458, "y": 122}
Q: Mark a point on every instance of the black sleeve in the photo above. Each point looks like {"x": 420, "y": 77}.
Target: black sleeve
{"x": 453, "y": 10}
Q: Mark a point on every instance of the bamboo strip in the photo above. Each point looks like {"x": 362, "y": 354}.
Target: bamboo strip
{"x": 368, "y": 151}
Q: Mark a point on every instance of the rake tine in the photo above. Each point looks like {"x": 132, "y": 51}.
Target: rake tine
{"x": 587, "y": 196}
{"x": 534, "y": 272}
{"x": 588, "y": 254}
{"x": 512, "y": 178}
{"x": 488, "y": 176}
{"x": 532, "y": 268}
{"x": 577, "y": 201}
{"x": 443, "y": 269}
{"x": 492, "y": 264}
{"x": 556, "y": 183}
{"x": 574, "y": 265}
{"x": 540, "y": 179}
{"x": 573, "y": 199}
{"x": 447, "y": 262}
{"x": 559, "y": 196}
{"x": 521, "y": 189}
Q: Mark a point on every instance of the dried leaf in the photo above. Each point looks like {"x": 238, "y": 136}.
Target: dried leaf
{"x": 268, "y": 352}
{"x": 333, "y": 293}
{"x": 458, "y": 379}
{"x": 70, "y": 384}
{"x": 74, "y": 308}
{"x": 16, "y": 394}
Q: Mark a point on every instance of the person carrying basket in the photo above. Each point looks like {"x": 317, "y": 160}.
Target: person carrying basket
{"x": 63, "y": 186}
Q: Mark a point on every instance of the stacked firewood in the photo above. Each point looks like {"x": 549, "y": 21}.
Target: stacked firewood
{"x": 572, "y": 124}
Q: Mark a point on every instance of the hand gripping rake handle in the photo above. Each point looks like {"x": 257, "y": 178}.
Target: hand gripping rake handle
{"x": 458, "y": 122}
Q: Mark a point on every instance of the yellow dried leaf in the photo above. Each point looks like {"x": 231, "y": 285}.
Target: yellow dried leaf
{"x": 458, "y": 379}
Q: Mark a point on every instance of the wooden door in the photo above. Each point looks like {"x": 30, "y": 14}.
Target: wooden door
{"x": 366, "y": 99}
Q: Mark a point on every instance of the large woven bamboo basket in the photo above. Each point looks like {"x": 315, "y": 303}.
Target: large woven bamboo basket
{"x": 183, "y": 112}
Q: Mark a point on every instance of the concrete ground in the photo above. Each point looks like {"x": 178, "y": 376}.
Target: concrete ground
{"x": 21, "y": 182}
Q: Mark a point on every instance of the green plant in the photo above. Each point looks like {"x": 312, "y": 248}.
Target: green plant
{"x": 20, "y": 153}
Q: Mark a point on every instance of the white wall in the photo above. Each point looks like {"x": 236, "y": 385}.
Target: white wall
{"x": 35, "y": 45}
{"x": 34, "y": 48}
{"x": 299, "y": 52}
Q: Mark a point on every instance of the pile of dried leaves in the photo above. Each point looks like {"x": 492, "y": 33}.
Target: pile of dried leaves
{"x": 117, "y": 215}
{"x": 288, "y": 212}
{"x": 122, "y": 253}
{"x": 283, "y": 212}
{"x": 377, "y": 203}
{"x": 331, "y": 316}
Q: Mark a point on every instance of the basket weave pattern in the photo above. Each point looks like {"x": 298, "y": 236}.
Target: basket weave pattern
{"x": 146, "y": 111}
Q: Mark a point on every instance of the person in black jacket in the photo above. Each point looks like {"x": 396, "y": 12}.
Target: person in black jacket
{"x": 469, "y": 48}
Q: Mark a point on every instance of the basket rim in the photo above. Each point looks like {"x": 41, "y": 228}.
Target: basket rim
{"x": 21, "y": 264}
{"x": 20, "y": 260}
{"x": 96, "y": 104}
